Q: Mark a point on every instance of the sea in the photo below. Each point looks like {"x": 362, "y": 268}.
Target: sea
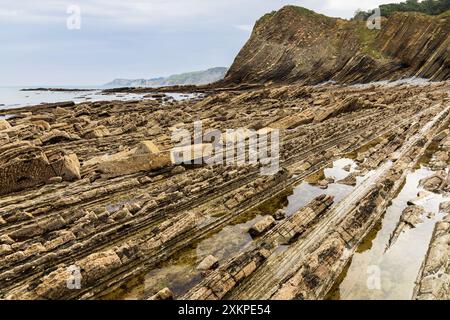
{"x": 13, "y": 97}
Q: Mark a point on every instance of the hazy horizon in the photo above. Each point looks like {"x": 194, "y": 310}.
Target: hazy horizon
{"x": 135, "y": 39}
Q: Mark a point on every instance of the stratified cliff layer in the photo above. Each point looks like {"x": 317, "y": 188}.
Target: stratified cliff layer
{"x": 296, "y": 44}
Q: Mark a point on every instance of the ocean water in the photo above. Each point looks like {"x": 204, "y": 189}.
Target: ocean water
{"x": 12, "y": 97}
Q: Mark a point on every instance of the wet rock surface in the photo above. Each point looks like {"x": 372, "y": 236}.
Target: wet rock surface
{"x": 91, "y": 185}
{"x": 434, "y": 280}
{"x": 411, "y": 216}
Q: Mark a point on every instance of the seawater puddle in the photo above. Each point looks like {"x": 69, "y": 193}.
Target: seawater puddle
{"x": 179, "y": 273}
{"x": 306, "y": 192}
{"x": 377, "y": 272}
{"x": 114, "y": 207}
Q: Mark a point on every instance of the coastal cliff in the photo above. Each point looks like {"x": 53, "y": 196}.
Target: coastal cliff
{"x": 298, "y": 45}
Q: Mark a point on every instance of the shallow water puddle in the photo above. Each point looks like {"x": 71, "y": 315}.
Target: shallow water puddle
{"x": 306, "y": 192}
{"x": 378, "y": 272}
{"x": 114, "y": 207}
{"x": 180, "y": 274}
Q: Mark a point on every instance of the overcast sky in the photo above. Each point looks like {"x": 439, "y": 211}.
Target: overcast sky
{"x": 131, "y": 38}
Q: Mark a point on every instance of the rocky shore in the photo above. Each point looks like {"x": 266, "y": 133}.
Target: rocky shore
{"x": 92, "y": 185}
{"x": 433, "y": 282}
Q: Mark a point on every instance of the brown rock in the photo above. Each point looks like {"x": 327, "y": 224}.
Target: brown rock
{"x": 54, "y": 285}
{"x": 4, "y": 124}
{"x": 98, "y": 265}
{"x": 97, "y": 132}
{"x": 209, "y": 263}
{"x": 262, "y": 226}
{"x": 164, "y": 294}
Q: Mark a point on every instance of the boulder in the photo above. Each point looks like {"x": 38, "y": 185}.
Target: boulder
{"x": 262, "y": 226}
{"x": 98, "y": 265}
{"x": 164, "y": 294}
{"x": 432, "y": 183}
{"x": 209, "y": 263}
{"x": 178, "y": 170}
{"x": 323, "y": 184}
{"x": 4, "y": 124}
{"x": 330, "y": 179}
{"x": 42, "y": 124}
{"x": 4, "y": 139}
{"x": 133, "y": 164}
{"x": 54, "y": 285}
{"x": 280, "y": 214}
{"x": 121, "y": 214}
{"x": 350, "y": 180}
{"x": 70, "y": 168}
{"x": 23, "y": 166}
{"x": 412, "y": 215}
{"x": 27, "y": 169}
{"x": 55, "y": 180}
{"x": 145, "y": 157}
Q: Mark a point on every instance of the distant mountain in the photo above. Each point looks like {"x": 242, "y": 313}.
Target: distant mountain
{"x": 190, "y": 78}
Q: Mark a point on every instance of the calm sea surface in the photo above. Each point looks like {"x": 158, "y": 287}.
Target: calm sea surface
{"x": 12, "y": 97}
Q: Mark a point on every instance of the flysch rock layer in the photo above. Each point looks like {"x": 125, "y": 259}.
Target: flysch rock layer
{"x": 91, "y": 185}
{"x": 297, "y": 44}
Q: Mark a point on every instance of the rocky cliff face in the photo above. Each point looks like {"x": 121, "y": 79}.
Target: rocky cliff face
{"x": 296, "y": 44}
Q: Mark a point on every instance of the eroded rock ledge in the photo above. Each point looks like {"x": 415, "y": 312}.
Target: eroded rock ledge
{"x": 296, "y": 44}
{"x": 90, "y": 185}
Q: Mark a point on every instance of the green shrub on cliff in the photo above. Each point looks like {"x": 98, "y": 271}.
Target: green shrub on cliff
{"x": 431, "y": 7}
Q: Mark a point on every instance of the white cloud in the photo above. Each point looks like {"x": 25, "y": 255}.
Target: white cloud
{"x": 133, "y": 38}
{"x": 244, "y": 27}
{"x": 8, "y": 13}
{"x": 158, "y": 12}
{"x": 346, "y": 8}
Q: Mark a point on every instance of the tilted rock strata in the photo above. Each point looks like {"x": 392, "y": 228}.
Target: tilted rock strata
{"x": 118, "y": 224}
{"x": 295, "y": 44}
{"x": 434, "y": 280}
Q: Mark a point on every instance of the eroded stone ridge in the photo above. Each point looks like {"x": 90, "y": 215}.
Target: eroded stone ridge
{"x": 296, "y": 44}
{"x": 91, "y": 185}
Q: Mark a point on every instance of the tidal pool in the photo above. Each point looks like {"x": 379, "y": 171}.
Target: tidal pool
{"x": 379, "y": 272}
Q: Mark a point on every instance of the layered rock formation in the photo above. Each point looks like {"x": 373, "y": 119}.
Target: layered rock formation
{"x": 128, "y": 209}
{"x": 296, "y": 44}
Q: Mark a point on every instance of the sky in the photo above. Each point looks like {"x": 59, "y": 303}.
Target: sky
{"x": 91, "y": 42}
